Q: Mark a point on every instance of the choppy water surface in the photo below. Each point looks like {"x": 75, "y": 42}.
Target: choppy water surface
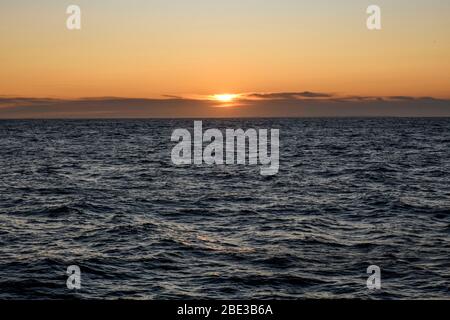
{"x": 104, "y": 195}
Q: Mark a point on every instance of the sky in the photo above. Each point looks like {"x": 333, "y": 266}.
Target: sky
{"x": 171, "y": 49}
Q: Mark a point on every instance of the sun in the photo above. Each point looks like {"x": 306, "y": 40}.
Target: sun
{"x": 227, "y": 97}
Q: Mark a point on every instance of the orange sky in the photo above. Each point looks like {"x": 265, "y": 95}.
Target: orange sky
{"x": 151, "y": 48}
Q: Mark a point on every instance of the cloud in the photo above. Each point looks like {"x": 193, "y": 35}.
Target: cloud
{"x": 402, "y": 98}
{"x": 172, "y": 96}
{"x": 101, "y": 107}
{"x": 408, "y": 98}
{"x": 283, "y": 104}
{"x": 22, "y": 101}
{"x": 289, "y": 95}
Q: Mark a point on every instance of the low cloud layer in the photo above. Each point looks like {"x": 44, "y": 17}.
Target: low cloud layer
{"x": 289, "y": 95}
{"x": 282, "y": 104}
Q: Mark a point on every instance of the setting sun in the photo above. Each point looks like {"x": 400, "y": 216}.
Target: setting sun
{"x": 225, "y": 97}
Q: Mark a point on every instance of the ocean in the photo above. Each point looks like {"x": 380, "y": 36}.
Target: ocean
{"x": 105, "y": 196}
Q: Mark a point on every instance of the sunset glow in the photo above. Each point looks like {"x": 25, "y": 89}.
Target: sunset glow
{"x": 185, "y": 58}
{"x": 113, "y": 55}
{"x": 225, "y": 97}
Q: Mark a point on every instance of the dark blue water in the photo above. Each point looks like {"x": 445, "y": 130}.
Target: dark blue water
{"x": 105, "y": 196}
